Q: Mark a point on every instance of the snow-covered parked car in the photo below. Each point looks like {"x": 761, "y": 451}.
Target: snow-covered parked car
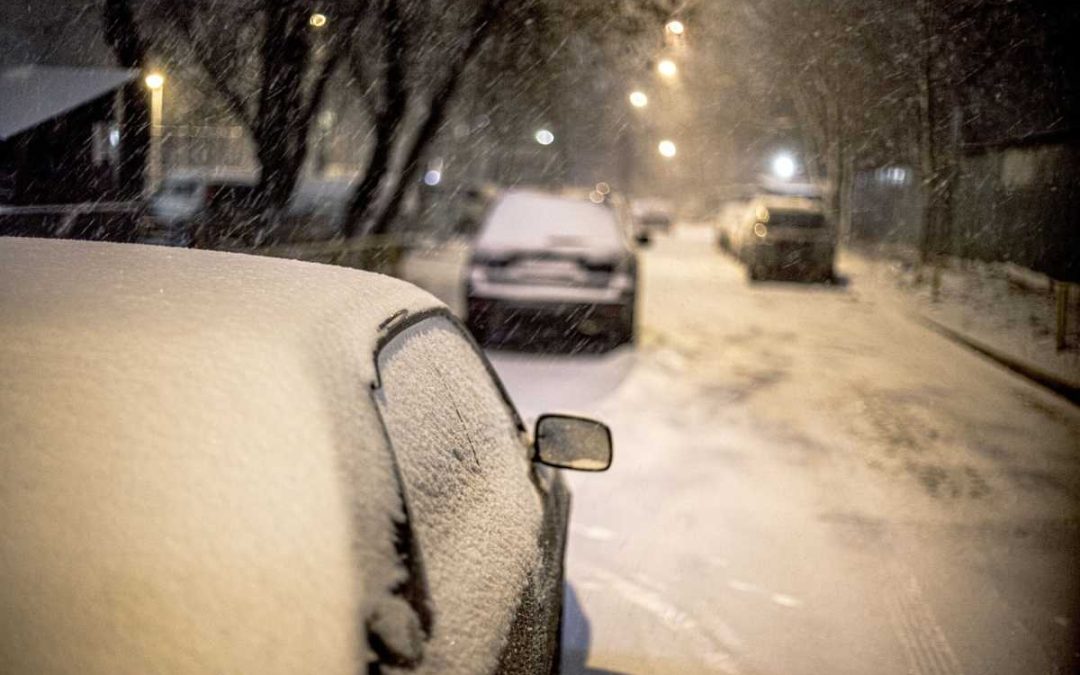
{"x": 552, "y": 265}
{"x": 785, "y": 236}
{"x": 212, "y": 462}
{"x": 654, "y": 213}
{"x": 209, "y": 209}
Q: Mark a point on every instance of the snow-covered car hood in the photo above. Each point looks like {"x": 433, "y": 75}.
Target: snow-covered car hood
{"x": 193, "y": 477}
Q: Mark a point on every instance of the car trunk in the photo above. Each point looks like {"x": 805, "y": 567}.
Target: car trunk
{"x": 555, "y": 267}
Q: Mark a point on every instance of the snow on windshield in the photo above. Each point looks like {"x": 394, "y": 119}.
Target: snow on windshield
{"x": 467, "y": 482}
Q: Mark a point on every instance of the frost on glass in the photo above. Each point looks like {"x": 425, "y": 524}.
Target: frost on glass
{"x": 474, "y": 508}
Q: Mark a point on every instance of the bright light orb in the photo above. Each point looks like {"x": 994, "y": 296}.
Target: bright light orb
{"x": 639, "y": 99}
{"x": 667, "y": 149}
{"x": 783, "y": 166}
{"x": 545, "y": 137}
{"x": 317, "y": 20}
{"x": 667, "y": 68}
{"x": 155, "y": 80}
{"x": 676, "y": 27}
{"x": 432, "y": 178}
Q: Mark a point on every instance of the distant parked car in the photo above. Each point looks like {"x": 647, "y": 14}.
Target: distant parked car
{"x": 552, "y": 265}
{"x": 654, "y": 214}
{"x": 727, "y": 220}
{"x": 187, "y": 202}
{"x": 785, "y": 236}
{"x": 219, "y": 463}
{"x": 206, "y": 210}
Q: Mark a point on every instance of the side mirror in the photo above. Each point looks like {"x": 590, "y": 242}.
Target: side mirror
{"x": 569, "y": 442}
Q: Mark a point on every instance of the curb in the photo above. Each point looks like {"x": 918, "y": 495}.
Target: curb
{"x": 1058, "y": 385}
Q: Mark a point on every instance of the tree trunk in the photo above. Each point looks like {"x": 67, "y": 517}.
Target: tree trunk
{"x": 847, "y": 195}
{"x": 388, "y": 118}
{"x": 123, "y": 36}
{"x": 436, "y": 113}
{"x": 280, "y": 128}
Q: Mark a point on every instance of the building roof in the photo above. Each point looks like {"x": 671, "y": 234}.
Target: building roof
{"x": 31, "y": 95}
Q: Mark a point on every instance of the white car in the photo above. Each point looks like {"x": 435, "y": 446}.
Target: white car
{"x": 552, "y": 265}
{"x": 185, "y": 198}
{"x": 218, "y": 463}
{"x": 209, "y": 209}
{"x": 654, "y": 214}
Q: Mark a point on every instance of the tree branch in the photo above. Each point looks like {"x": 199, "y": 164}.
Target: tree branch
{"x": 232, "y": 98}
{"x": 437, "y": 109}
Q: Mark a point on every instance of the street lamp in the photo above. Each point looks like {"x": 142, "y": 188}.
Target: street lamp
{"x": 667, "y": 68}
{"x": 783, "y": 166}
{"x": 545, "y": 137}
{"x": 156, "y": 83}
{"x": 639, "y": 99}
{"x": 667, "y": 149}
{"x": 317, "y": 20}
{"x": 675, "y": 27}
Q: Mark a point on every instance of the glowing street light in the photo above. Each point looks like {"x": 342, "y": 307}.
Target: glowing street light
{"x": 545, "y": 137}
{"x": 783, "y": 166}
{"x": 667, "y": 149}
{"x": 667, "y": 68}
{"x": 155, "y": 82}
{"x": 317, "y": 20}
{"x": 639, "y": 99}
{"x": 675, "y": 27}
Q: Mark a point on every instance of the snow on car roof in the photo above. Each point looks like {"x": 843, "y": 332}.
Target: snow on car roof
{"x": 192, "y": 475}
{"x": 528, "y": 220}
{"x": 32, "y": 95}
{"x": 784, "y": 203}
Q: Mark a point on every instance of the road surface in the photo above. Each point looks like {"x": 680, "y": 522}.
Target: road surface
{"x": 809, "y": 481}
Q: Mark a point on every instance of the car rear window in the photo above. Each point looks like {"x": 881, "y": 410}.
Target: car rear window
{"x": 184, "y": 188}
{"x": 796, "y": 219}
{"x": 537, "y": 222}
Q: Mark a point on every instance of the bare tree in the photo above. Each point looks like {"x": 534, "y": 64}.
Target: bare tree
{"x": 123, "y": 36}
{"x": 390, "y": 81}
{"x": 271, "y": 73}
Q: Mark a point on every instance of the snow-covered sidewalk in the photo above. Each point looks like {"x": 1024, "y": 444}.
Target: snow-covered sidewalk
{"x": 979, "y": 304}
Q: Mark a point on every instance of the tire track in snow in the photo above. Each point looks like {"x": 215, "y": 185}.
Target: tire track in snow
{"x": 710, "y": 648}
{"x": 924, "y": 643}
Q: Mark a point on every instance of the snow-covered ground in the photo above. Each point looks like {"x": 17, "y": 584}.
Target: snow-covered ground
{"x": 978, "y": 300}
{"x": 807, "y": 480}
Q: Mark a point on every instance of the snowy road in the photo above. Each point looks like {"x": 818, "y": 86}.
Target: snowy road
{"x": 808, "y": 481}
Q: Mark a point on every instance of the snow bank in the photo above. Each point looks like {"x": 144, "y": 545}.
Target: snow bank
{"x": 192, "y": 478}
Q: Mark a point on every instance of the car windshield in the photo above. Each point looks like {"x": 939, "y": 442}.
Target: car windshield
{"x": 799, "y": 220}
{"x": 814, "y": 263}
{"x": 181, "y": 189}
